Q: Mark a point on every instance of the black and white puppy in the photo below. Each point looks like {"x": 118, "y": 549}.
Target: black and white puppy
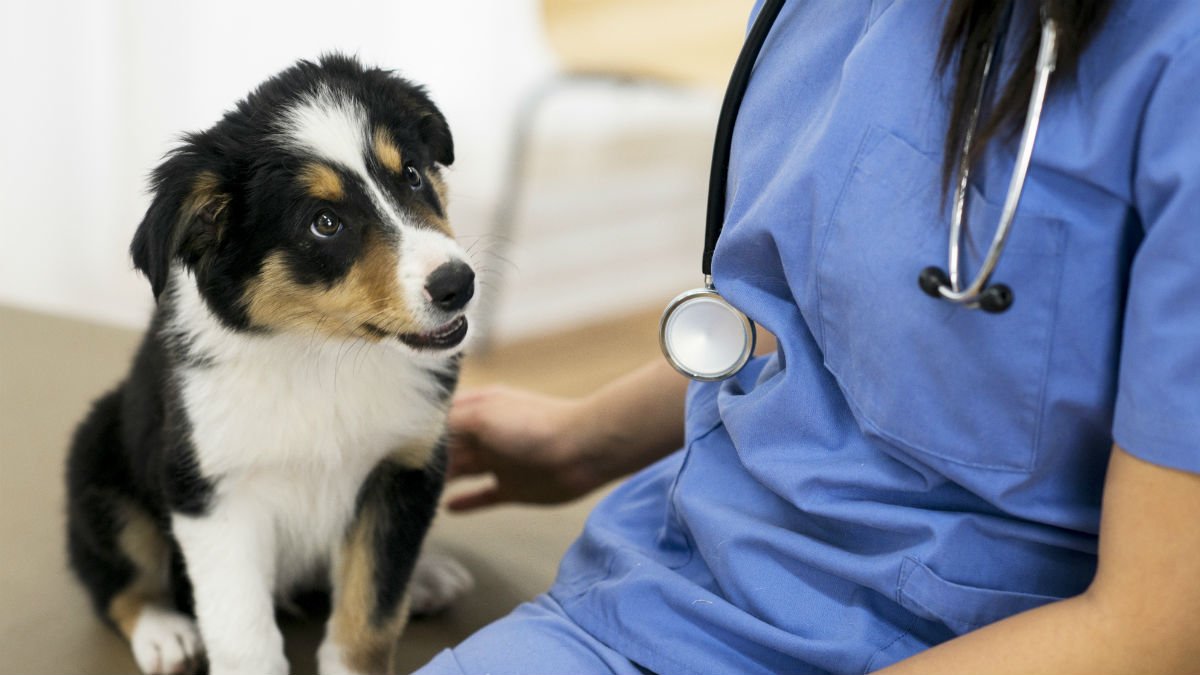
{"x": 283, "y": 422}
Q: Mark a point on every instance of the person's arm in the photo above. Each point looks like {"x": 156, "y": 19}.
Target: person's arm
{"x": 1139, "y": 614}
{"x": 548, "y": 450}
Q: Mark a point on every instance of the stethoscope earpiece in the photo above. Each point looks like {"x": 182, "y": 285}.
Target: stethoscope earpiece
{"x": 932, "y": 280}
{"x": 993, "y": 299}
{"x": 996, "y": 298}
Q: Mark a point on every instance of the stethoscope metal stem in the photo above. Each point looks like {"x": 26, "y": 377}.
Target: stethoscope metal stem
{"x": 970, "y": 296}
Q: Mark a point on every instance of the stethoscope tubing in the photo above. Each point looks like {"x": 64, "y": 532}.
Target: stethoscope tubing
{"x": 723, "y": 143}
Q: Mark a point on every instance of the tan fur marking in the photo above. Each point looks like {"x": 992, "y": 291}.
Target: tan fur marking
{"x": 366, "y": 647}
{"x": 206, "y": 197}
{"x": 439, "y": 187}
{"x": 386, "y": 151}
{"x": 370, "y": 292}
{"x": 418, "y": 454}
{"x": 141, "y": 542}
{"x": 206, "y": 203}
{"x": 124, "y": 610}
{"x": 323, "y": 182}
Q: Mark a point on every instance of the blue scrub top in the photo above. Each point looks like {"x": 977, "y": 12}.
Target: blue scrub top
{"x": 903, "y": 470}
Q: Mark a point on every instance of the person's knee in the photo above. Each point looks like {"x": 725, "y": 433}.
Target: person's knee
{"x": 444, "y": 663}
{"x": 536, "y": 637}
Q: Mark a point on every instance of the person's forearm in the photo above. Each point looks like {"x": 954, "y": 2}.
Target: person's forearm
{"x": 1076, "y": 636}
{"x": 634, "y": 420}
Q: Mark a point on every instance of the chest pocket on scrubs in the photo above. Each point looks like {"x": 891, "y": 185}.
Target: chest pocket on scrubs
{"x": 930, "y": 377}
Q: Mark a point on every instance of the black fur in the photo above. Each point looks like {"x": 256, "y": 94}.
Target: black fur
{"x": 448, "y": 377}
{"x": 95, "y": 481}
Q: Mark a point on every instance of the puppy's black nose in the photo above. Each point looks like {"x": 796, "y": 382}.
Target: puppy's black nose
{"x": 451, "y": 286}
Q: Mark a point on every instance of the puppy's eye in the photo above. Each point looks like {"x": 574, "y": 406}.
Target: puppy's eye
{"x": 412, "y": 176}
{"x": 325, "y": 224}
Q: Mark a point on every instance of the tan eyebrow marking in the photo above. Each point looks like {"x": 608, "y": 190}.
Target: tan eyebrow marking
{"x": 386, "y": 151}
{"x": 322, "y": 182}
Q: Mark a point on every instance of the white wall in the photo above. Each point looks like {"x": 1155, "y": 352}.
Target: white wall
{"x": 96, "y": 91}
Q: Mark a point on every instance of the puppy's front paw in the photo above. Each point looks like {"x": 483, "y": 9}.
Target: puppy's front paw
{"x": 437, "y": 581}
{"x": 330, "y": 661}
{"x": 166, "y": 642}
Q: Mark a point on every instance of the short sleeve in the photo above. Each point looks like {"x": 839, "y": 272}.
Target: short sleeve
{"x": 1157, "y": 415}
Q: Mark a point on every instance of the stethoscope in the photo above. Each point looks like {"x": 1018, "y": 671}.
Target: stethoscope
{"x": 706, "y": 338}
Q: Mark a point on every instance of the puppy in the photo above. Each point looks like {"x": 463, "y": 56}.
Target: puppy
{"x": 283, "y": 423}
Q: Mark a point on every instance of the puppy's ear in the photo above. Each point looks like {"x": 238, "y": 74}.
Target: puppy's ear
{"x": 436, "y": 134}
{"x": 185, "y": 221}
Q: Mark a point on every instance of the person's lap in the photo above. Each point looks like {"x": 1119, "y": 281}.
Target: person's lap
{"x": 537, "y": 637}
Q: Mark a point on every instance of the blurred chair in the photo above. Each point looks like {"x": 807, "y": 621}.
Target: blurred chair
{"x": 682, "y": 49}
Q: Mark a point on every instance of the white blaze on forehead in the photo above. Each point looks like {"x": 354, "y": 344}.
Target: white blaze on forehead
{"x": 335, "y": 128}
{"x": 330, "y": 126}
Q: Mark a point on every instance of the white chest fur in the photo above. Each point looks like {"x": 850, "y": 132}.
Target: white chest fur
{"x": 290, "y": 425}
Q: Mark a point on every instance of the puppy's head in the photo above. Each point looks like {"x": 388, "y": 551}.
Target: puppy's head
{"x": 316, "y": 205}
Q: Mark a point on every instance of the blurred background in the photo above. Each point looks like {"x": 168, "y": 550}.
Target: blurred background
{"x": 588, "y": 190}
{"x": 583, "y": 131}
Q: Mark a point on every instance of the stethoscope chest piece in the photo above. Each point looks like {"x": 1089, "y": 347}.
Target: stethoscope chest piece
{"x": 705, "y": 337}
{"x": 701, "y": 334}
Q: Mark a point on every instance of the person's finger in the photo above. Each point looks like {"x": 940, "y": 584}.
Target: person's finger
{"x": 470, "y": 396}
{"x": 463, "y": 462}
{"x": 464, "y": 416}
{"x": 476, "y": 399}
{"x": 470, "y": 501}
{"x": 463, "y": 457}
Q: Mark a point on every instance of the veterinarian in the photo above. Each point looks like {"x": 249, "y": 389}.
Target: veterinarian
{"x": 906, "y": 484}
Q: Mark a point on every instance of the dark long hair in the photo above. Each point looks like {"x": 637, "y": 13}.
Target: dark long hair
{"x": 970, "y": 27}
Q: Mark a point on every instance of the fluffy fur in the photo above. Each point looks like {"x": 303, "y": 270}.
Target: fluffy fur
{"x": 282, "y": 425}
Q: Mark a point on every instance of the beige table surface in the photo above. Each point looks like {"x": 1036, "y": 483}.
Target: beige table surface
{"x": 51, "y": 368}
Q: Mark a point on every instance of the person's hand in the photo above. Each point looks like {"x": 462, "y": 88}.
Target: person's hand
{"x": 545, "y": 450}
{"x": 530, "y": 443}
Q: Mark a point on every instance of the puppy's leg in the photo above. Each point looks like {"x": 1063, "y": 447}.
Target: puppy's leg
{"x": 230, "y": 558}
{"x": 120, "y": 552}
{"x": 374, "y": 565}
{"x": 437, "y": 581}
{"x": 164, "y": 641}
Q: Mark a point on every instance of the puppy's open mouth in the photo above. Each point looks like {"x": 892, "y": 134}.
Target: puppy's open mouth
{"x": 445, "y": 337}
